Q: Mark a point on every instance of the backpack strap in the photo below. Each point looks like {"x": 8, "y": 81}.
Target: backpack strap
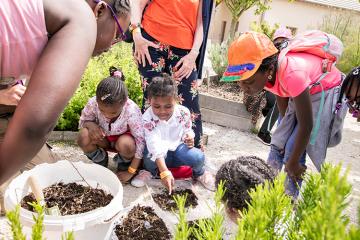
{"x": 315, "y": 130}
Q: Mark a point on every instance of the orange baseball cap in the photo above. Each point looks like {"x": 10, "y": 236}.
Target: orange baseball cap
{"x": 246, "y": 54}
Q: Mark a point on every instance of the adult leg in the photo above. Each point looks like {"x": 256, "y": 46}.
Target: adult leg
{"x": 270, "y": 112}
{"x": 150, "y": 71}
{"x": 188, "y": 92}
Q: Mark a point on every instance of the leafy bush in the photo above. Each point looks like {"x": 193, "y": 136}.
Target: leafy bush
{"x": 348, "y": 31}
{"x": 218, "y": 56}
{"x": 318, "y": 214}
{"x": 98, "y": 69}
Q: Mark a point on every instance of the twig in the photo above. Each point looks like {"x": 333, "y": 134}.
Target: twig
{"x": 80, "y": 174}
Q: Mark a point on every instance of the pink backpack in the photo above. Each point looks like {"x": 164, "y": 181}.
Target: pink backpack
{"x": 318, "y": 43}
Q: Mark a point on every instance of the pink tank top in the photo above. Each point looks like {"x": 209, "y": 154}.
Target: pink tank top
{"x": 23, "y": 36}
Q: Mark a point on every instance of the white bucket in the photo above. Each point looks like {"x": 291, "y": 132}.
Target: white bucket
{"x": 96, "y": 224}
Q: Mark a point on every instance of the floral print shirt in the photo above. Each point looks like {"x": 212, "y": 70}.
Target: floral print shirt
{"x": 130, "y": 119}
{"x": 163, "y": 136}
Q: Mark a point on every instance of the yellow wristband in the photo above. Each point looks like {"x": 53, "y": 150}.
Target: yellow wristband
{"x": 136, "y": 30}
{"x": 132, "y": 170}
{"x": 165, "y": 174}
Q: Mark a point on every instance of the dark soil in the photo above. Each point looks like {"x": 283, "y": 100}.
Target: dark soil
{"x": 167, "y": 202}
{"x": 71, "y": 198}
{"x": 142, "y": 223}
{"x": 229, "y": 91}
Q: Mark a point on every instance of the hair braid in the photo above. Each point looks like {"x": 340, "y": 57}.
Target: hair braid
{"x": 240, "y": 176}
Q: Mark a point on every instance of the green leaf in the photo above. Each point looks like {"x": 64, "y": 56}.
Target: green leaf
{"x": 16, "y": 226}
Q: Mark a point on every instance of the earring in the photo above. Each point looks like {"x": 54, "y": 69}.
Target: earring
{"x": 269, "y": 76}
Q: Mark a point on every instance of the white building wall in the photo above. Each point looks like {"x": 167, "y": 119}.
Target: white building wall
{"x": 298, "y": 14}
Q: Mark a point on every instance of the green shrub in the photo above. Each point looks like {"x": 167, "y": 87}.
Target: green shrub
{"x": 182, "y": 231}
{"x": 98, "y": 69}
{"x": 218, "y": 56}
{"x": 318, "y": 214}
{"x": 37, "y": 229}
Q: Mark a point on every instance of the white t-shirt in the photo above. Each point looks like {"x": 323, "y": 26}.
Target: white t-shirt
{"x": 163, "y": 136}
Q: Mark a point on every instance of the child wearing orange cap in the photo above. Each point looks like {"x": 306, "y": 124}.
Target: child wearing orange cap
{"x": 253, "y": 62}
{"x": 270, "y": 110}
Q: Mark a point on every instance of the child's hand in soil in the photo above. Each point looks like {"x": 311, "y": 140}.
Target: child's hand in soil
{"x": 169, "y": 183}
{"x": 124, "y": 176}
{"x": 189, "y": 141}
{"x": 295, "y": 170}
{"x": 96, "y": 133}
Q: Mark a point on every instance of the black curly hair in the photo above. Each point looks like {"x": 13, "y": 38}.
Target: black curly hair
{"x": 121, "y": 7}
{"x": 352, "y": 78}
{"x": 163, "y": 86}
{"x": 273, "y": 59}
{"x": 241, "y": 175}
{"x": 112, "y": 89}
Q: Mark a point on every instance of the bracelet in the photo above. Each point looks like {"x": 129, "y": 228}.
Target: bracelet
{"x": 136, "y": 30}
{"x": 132, "y": 27}
{"x": 132, "y": 170}
{"x": 165, "y": 174}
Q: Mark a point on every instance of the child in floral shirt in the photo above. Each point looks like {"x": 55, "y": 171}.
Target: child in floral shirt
{"x": 111, "y": 121}
{"x": 169, "y": 137}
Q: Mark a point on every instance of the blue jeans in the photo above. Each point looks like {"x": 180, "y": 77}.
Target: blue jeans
{"x": 182, "y": 156}
{"x": 278, "y": 157}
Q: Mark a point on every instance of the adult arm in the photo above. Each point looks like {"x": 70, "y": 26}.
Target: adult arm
{"x": 53, "y": 81}
{"x": 188, "y": 62}
{"x": 141, "y": 44}
{"x": 304, "y": 117}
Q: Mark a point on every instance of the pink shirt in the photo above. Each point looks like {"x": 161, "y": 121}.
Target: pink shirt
{"x": 301, "y": 71}
{"x": 23, "y": 37}
{"x": 130, "y": 119}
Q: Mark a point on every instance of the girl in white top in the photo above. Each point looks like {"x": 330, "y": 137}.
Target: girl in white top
{"x": 169, "y": 137}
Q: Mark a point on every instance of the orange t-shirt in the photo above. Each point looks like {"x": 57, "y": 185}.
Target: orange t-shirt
{"x": 172, "y": 22}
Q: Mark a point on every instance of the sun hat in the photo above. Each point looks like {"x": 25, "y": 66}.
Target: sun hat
{"x": 246, "y": 54}
{"x": 282, "y": 32}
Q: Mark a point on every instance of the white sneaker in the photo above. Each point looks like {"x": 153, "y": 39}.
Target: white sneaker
{"x": 141, "y": 179}
{"x": 207, "y": 180}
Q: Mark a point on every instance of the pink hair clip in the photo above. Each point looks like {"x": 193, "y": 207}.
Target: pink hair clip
{"x": 117, "y": 74}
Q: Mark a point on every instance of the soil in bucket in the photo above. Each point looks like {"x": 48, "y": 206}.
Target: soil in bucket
{"x": 142, "y": 223}
{"x": 71, "y": 198}
{"x": 167, "y": 202}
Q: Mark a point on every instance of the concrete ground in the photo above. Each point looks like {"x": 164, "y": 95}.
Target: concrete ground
{"x": 225, "y": 144}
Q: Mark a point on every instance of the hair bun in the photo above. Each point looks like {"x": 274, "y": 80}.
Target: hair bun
{"x": 117, "y": 73}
